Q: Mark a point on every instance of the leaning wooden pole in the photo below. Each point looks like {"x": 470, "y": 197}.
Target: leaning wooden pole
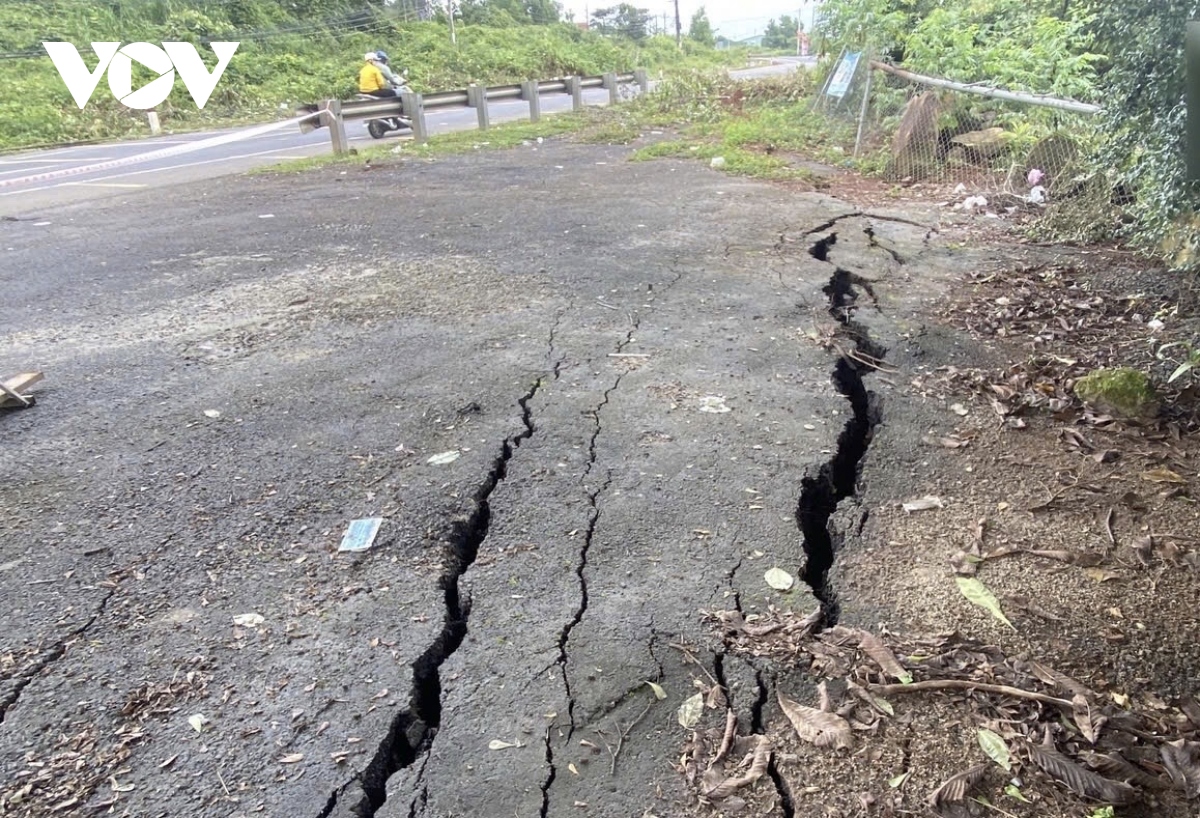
{"x": 995, "y": 93}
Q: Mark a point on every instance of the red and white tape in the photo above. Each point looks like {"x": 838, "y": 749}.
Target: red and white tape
{"x": 174, "y": 150}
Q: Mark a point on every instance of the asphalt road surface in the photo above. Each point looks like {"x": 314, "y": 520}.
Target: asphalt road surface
{"x": 591, "y": 408}
{"x": 39, "y": 179}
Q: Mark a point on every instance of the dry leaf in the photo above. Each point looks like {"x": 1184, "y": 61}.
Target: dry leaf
{"x": 955, "y": 788}
{"x": 572, "y": 768}
{"x": 1181, "y": 760}
{"x": 1162, "y": 476}
{"x": 713, "y": 404}
{"x": 211, "y": 413}
{"x": 291, "y": 758}
{"x": 758, "y": 767}
{"x": 1114, "y": 765}
{"x": 690, "y": 711}
{"x": 659, "y": 693}
{"x": 1077, "y": 779}
{"x": 923, "y": 503}
{"x": 995, "y": 748}
{"x": 1101, "y": 574}
{"x": 873, "y": 646}
{"x": 779, "y": 579}
{"x": 978, "y": 593}
{"x": 249, "y": 620}
{"x": 198, "y": 721}
{"x": 444, "y": 458}
{"x": 816, "y": 726}
{"x": 1090, "y": 727}
{"x": 497, "y": 744}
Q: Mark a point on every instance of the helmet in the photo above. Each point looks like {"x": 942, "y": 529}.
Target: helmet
{"x": 381, "y": 56}
{"x": 370, "y": 56}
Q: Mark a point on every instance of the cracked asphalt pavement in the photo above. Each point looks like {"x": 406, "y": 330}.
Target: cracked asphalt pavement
{"x": 642, "y": 369}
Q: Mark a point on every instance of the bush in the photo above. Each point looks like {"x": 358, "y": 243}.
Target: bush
{"x": 286, "y": 59}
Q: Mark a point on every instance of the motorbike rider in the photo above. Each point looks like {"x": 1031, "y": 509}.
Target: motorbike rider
{"x": 371, "y": 80}
{"x": 385, "y": 68}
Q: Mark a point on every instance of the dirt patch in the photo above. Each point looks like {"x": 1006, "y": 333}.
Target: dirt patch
{"x": 1017, "y": 584}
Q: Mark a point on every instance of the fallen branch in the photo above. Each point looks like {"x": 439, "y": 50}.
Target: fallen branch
{"x": 963, "y": 684}
{"x": 624, "y": 734}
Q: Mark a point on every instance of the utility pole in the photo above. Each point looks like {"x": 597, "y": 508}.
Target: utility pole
{"x": 678, "y": 27}
{"x": 1192, "y": 72}
{"x": 450, "y": 8}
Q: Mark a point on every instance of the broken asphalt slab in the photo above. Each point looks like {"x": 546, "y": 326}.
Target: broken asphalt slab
{"x": 570, "y": 333}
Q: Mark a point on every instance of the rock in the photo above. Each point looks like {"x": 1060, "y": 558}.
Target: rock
{"x": 914, "y": 148}
{"x": 1123, "y": 392}
{"x": 986, "y": 144}
{"x": 1052, "y": 156}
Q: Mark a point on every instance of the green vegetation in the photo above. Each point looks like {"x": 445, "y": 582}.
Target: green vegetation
{"x": 1126, "y": 55}
{"x": 1123, "y": 392}
{"x": 296, "y": 52}
{"x": 757, "y": 129}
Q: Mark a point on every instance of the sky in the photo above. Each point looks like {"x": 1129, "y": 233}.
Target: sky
{"x": 734, "y": 19}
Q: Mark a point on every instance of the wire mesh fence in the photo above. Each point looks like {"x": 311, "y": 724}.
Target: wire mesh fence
{"x": 979, "y": 147}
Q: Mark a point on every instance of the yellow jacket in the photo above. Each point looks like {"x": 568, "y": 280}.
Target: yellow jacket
{"x": 370, "y": 79}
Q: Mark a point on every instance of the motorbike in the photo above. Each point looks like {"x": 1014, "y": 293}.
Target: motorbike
{"x": 379, "y": 128}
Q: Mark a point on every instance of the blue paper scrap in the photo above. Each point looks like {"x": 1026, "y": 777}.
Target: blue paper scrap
{"x": 361, "y": 534}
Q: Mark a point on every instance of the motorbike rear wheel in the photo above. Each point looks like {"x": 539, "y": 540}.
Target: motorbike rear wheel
{"x": 377, "y": 129}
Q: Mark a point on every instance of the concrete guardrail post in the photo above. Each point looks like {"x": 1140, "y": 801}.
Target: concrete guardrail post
{"x": 575, "y": 89}
{"x": 477, "y": 99}
{"x": 642, "y": 78}
{"x": 530, "y": 92}
{"x": 610, "y": 82}
{"x": 414, "y": 109}
{"x": 337, "y": 126}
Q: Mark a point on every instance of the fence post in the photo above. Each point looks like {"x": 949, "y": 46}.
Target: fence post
{"x": 575, "y": 89}
{"x": 610, "y": 82}
{"x": 337, "y": 126}
{"x": 642, "y": 77}
{"x": 1192, "y": 56}
{"x": 477, "y": 99}
{"x": 414, "y": 109}
{"x": 530, "y": 91}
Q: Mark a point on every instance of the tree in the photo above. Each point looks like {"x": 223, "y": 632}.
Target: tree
{"x": 624, "y": 21}
{"x": 510, "y": 12}
{"x": 781, "y": 34}
{"x": 700, "y": 29}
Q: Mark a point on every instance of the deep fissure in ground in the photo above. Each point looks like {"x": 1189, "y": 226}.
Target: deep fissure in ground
{"x": 413, "y": 729}
{"x": 836, "y": 479}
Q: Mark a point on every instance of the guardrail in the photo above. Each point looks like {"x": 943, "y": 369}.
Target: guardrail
{"x": 334, "y": 113}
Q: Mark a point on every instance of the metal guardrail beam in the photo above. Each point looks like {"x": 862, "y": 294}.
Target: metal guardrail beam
{"x": 334, "y": 113}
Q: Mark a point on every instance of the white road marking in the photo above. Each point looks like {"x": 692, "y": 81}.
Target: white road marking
{"x": 158, "y": 170}
{"x": 100, "y": 184}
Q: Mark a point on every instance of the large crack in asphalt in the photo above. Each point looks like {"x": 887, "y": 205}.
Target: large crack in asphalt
{"x": 413, "y": 729}
{"x": 837, "y": 478}
{"x": 593, "y": 498}
{"x": 51, "y": 656}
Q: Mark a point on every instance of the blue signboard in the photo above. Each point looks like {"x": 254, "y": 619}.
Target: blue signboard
{"x": 840, "y": 83}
